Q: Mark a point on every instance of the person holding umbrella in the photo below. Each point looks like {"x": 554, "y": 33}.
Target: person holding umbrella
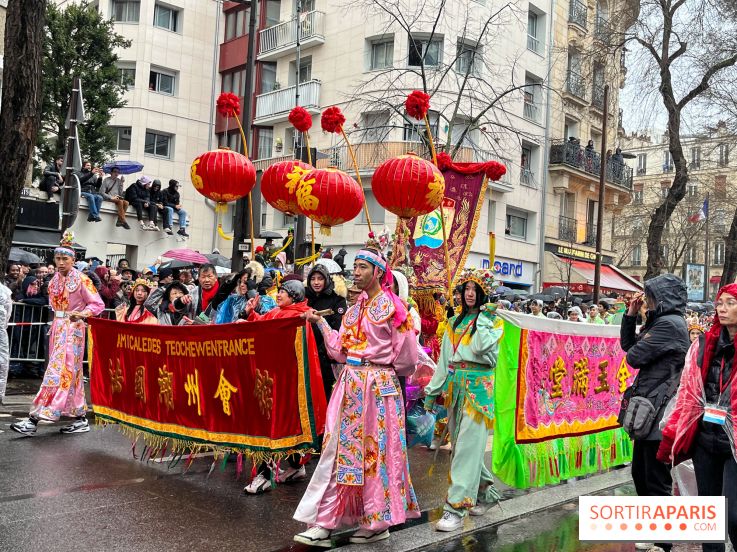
{"x": 112, "y": 190}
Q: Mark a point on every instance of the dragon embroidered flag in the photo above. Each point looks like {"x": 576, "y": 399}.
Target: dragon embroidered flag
{"x": 461, "y": 207}
{"x": 558, "y": 391}
{"x": 250, "y": 388}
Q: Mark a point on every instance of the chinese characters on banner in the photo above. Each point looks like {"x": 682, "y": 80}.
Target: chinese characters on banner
{"x": 558, "y": 389}
{"x": 231, "y": 387}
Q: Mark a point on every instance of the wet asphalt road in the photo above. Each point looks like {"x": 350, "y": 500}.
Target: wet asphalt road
{"x": 86, "y": 492}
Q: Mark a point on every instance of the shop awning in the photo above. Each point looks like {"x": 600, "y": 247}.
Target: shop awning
{"x": 715, "y": 279}
{"x": 580, "y": 274}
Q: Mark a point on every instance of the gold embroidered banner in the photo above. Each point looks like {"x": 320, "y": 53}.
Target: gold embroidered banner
{"x": 253, "y": 388}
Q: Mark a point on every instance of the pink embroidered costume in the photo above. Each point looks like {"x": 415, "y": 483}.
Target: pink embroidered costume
{"x": 62, "y": 390}
{"x": 363, "y": 475}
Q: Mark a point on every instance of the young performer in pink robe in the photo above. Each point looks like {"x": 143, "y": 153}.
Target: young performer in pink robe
{"x": 363, "y": 475}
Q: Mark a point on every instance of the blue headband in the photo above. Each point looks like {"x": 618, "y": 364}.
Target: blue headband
{"x": 64, "y": 251}
{"x": 372, "y": 258}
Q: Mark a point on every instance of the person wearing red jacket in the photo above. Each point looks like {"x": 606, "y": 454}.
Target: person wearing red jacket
{"x": 290, "y": 302}
{"x": 701, "y": 426}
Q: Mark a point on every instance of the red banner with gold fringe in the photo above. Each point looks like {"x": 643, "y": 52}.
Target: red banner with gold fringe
{"x": 254, "y": 388}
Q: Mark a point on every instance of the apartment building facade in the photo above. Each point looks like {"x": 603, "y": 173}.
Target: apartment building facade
{"x": 166, "y": 122}
{"x": 694, "y": 228}
{"x": 367, "y": 63}
{"x": 586, "y": 37}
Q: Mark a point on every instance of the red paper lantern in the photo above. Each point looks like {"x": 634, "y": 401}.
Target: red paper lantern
{"x": 408, "y": 186}
{"x": 329, "y": 197}
{"x": 223, "y": 175}
{"x": 279, "y": 185}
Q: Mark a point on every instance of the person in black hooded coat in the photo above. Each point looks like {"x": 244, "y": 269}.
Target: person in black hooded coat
{"x": 659, "y": 353}
{"x": 321, "y": 295}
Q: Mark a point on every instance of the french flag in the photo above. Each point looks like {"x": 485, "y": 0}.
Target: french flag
{"x": 701, "y": 214}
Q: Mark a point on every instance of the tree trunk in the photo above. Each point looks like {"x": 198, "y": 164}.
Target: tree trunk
{"x": 21, "y": 107}
{"x": 729, "y": 270}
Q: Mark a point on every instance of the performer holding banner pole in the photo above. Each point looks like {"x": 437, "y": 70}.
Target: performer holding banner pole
{"x": 363, "y": 473}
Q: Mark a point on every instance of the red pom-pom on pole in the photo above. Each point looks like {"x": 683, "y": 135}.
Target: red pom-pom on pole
{"x": 332, "y": 120}
{"x": 228, "y": 105}
{"x": 300, "y": 119}
{"x": 417, "y": 105}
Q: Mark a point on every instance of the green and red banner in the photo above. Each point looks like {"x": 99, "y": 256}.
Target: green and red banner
{"x": 253, "y": 388}
{"x": 558, "y": 389}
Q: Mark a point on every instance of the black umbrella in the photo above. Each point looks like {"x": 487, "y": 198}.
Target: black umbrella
{"x": 545, "y": 298}
{"x": 177, "y": 264}
{"x": 556, "y": 291}
{"x": 19, "y": 255}
{"x": 218, "y": 260}
{"x": 265, "y": 235}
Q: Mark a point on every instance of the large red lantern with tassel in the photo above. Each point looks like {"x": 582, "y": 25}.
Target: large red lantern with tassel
{"x": 329, "y": 197}
{"x": 279, "y": 185}
{"x": 223, "y": 175}
{"x": 408, "y": 186}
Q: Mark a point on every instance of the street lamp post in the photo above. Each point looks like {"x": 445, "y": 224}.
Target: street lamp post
{"x": 600, "y": 210}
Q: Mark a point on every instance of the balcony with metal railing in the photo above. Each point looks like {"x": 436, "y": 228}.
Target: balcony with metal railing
{"x": 597, "y": 97}
{"x": 590, "y": 234}
{"x": 571, "y": 154}
{"x": 578, "y": 13}
{"x": 273, "y": 107}
{"x": 527, "y": 178}
{"x": 281, "y": 39}
{"x": 576, "y": 85}
{"x": 533, "y": 44}
{"x": 531, "y": 111}
{"x": 602, "y": 29}
{"x": 567, "y": 229}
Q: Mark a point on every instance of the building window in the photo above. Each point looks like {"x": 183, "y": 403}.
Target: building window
{"x": 637, "y": 197}
{"x": 166, "y": 18}
{"x": 467, "y": 58}
{"x": 382, "y": 54}
{"x": 695, "y": 158}
{"x": 122, "y": 138}
{"x": 664, "y": 188}
{"x": 127, "y": 75}
{"x": 232, "y": 141}
{"x": 667, "y": 161}
{"x": 720, "y": 186}
{"x": 264, "y": 207}
{"x": 636, "y": 255}
{"x": 425, "y": 52}
{"x": 693, "y": 190}
{"x": 126, "y": 11}
{"x": 723, "y": 155}
{"x": 664, "y": 252}
{"x": 413, "y": 131}
{"x": 158, "y": 144}
{"x": 305, "y": 70}
{"x": 375, "y": 126}
{"x": 531, "y": 105}
{"x": 376, "y": 211}
{"x": 163, "y": 83}
{"x": 641, "y": 164}
{"x": 265, "y": 142}
{"x": 516, "y": 224}
{"x": 235, "y": 23}
{"x": 235, "y": 82}
{"x": 691, "y": 254}
{"x": 718, "y": 253}
{"x": 268, "y": 77}
{"x": 533, "y": 39}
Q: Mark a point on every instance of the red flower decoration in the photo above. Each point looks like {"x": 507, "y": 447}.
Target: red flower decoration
{"x": 417, "y": 104}
{"x": 332, "y": 119}
{"x": 495, "y": 170}
{"x": 300, "y": 119}
{"x": 228, "y": 104}
{"x": 444, "y": 160}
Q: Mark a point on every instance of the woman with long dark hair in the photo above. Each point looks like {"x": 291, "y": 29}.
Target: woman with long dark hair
{"x": 136, "y": 312}
{"x": 465, "y": 372}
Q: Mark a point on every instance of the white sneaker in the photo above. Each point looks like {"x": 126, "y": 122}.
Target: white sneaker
{"x": 168, "y": 231}
{"x": 449, "y": 522}
{"x": 80, "y": 425}
{"x": 365, "y": 536}
{"x": 315, "y": 536}
{"x": 259, "y": 485}
{"x": 25, "y": 426}
{"x": 292, "y": 474}
{"x": 152, "y": 226}
{"x": 480, "y": 509}
{"x": 143, "y": 225}
{"x": 643, "y": 545}
{"x": 434, "y": 444}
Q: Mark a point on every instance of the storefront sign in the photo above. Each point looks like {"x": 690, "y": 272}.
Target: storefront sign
{"x": 574, "y": 253}
{"x": 510, "y": 269}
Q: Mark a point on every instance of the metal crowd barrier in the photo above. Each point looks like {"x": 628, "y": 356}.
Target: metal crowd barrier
{"x": 28, "y": 332}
